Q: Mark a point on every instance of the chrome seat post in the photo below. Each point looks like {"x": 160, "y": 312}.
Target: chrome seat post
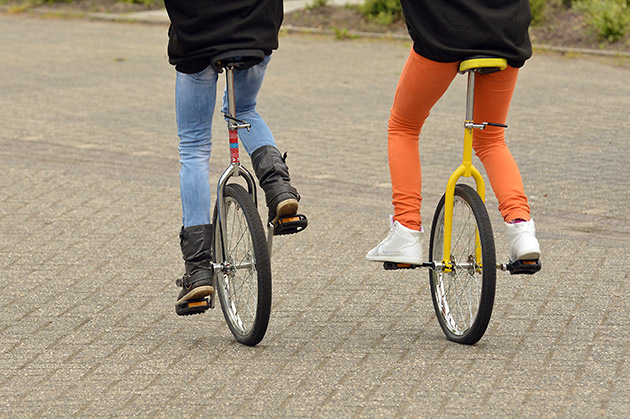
{"x": 470, "y": 96}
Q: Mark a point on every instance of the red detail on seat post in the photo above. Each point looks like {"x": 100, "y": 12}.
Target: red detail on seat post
{"x": 234, "y": 146}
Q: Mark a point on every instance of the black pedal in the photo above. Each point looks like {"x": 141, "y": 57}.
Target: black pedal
{"x": 525, "y": 267}
{"x": 190, "y": 307}
{"x": 290, "y": 224}
{"x": 392, "y": 266}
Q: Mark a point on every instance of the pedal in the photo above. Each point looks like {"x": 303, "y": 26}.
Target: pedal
{"x": 392, "y": 266}
{"x": 290, "y": 224}
{"x": 525, "y": 267}
{"x": 190, "y": 307}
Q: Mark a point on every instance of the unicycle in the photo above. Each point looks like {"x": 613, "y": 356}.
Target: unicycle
{"x": 241, "y": 251}
{"x": 462, "y": 259}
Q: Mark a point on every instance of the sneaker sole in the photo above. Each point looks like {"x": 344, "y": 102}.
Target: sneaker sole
{"x": 286, "y": 207}
{"x": 529, "y": 256}
{"x": 394, "y": 260}
{"x": 199, "y": 292}
{"x": 529, "y": 253}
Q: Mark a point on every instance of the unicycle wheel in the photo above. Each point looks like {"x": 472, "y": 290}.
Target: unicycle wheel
{"x": 463, "y": 296}
{"x": 244, "y": 283}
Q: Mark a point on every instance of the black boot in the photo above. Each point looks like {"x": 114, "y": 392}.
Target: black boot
{"x": 273, "y": 176}
{"x": 196, "y": 283}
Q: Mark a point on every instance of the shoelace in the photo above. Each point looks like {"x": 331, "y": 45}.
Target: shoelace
{"x": 391, "y": 232}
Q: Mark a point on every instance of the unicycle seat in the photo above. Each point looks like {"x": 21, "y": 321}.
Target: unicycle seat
{"x": 482, "y": 64}
{"x": 238, "y": 59}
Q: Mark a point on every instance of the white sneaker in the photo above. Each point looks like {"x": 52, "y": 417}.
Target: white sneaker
{"x": 402, "y": 245}
{"x": 522, "y": 241}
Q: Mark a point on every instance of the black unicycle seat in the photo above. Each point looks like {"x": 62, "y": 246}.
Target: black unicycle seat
{"x": 238, "y": 59}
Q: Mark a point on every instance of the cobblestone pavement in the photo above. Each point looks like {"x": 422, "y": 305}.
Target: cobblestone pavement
{"x": 89, "y": 216}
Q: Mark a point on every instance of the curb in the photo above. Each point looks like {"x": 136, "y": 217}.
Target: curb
{"x": 160, "y": 17}
{"x": 344, "y": 34}
{"x": 585, "y": 51}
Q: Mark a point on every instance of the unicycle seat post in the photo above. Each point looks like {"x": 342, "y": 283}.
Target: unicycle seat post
{"x": 235, "y": 169}
{"x": 470, "y": 97}
{"x": 233, "y": 123}
{"x": 229, "y": 79}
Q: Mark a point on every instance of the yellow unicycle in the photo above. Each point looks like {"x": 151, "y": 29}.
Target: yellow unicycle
{"x": 462, "y": 243}
{"x": 462, "y": 258}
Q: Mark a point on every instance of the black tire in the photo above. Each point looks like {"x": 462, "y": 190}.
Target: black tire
{"x": 246, "y": 313}
{"x": 464, "y": 320}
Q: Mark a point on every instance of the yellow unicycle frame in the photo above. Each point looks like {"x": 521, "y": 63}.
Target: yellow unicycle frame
{"x": 466, "y": 169}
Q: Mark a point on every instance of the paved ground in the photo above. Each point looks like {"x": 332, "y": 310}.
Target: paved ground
{"x": 89, "y": 215}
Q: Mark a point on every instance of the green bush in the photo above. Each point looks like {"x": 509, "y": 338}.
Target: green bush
{"x": 383, "y": 12}
{"x": 610, "y": 19}
{"x": 316, "y": 4}
{"x": 538, "y": 10}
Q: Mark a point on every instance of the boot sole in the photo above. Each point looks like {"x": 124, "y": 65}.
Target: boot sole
{"x": 197, "y": 293}
{"x": 286, "y": 207}
{"x": 191, "y": 307}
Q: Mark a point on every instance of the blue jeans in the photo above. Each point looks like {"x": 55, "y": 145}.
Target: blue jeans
{"x": 195, "y": 97}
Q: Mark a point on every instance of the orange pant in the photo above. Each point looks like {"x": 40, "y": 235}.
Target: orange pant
{"x": 421, "y": 85}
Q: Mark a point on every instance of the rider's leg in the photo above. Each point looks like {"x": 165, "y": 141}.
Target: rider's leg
{"x": 195, "y": 96}
{"x": 269, "y": 165}
{"x": 422, "y": 82}
{"x": 493, "y": 93}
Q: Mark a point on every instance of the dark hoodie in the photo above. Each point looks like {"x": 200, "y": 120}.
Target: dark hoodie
{"x": 452, "y": 30}
{"x": 202, "y": 29}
